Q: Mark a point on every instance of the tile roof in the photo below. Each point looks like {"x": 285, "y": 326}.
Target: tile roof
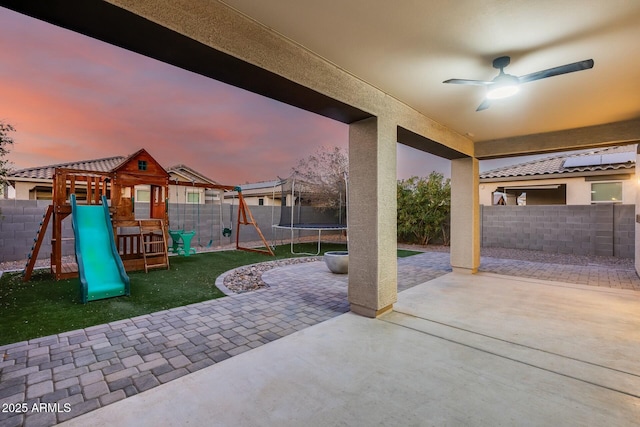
{"x": 261, "y": 185}
{"x": 585, "y": 162}
{"x": 46, "y": 172}
{"x": 102, "y": 165}
{"x": 190, "y": 175}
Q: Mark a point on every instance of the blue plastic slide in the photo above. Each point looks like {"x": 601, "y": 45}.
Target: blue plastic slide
{"x": 100, "y": 267}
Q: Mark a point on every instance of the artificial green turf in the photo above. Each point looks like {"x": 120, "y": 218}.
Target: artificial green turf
{"x": 403, "y": 253}
{"x": 44, "y": 306}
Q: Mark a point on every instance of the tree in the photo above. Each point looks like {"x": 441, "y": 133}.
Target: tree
{"x": 424, "y": 205}
{"x": 5, "y": 142}
{"x": 324, "y": 173}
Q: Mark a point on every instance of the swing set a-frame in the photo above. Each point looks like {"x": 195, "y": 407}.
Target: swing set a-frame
{"x": 244, "y": 217}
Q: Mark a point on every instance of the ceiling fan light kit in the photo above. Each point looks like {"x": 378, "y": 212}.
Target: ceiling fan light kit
{"x": 506, "y": 85}
{"x": 504, "y": 88}
{"x": 501, "y": 92}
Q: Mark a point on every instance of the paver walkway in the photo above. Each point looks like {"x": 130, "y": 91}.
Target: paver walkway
{"x": 595, "y": 275}
{"x": 79, "y": 371}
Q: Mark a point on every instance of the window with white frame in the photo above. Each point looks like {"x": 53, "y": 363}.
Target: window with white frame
{"x": 606, "y": 192}
{"x": 193, "y": 197}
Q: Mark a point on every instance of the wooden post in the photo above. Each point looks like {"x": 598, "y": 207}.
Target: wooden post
{"x": 97, "y": 194}
{"x": 73, "y": 185}
{"x": 243, "y": 212}
{"x": 36, "y": 247}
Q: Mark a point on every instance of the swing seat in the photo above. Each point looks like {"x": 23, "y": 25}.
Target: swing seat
{"x": 176, "y": 237}
{"x": 186, "y": 249}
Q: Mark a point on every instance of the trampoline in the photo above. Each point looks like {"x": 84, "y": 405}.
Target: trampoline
{"x": 300, "y": 213}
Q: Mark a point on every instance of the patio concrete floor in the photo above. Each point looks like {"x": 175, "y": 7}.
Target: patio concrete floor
{"x": 484, "y": 350}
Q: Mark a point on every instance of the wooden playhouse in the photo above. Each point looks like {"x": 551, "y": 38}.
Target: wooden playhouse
{"x": 141, "y": 243}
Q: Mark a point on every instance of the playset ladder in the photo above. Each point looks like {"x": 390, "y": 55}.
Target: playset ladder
{"x": 37, "y": 242}
{"x": 156, "y": 246}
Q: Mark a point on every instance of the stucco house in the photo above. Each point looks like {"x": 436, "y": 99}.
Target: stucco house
{"x": 194, "y": 195}
{"x": 263, "y": 193}
{"x": 596, "y": 176}
{"x": 36, "y": 183}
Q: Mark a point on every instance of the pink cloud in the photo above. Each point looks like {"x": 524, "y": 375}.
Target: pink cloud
{"x": 71, "y": 98}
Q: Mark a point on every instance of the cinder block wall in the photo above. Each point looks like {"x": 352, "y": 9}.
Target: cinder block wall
{"x": 265, "y": 217}
{"x": 206, "y": 221}
{"x": 20, "y": 221}
{"x": 19, "y": 224}
{"x": 582, "y": 230}
{"x": 624, "y": 231}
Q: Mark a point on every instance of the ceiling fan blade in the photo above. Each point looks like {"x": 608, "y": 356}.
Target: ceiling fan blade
{"x": 484, "y": 105}
{"x": 467, "y": 82}
{"x": 556, "y": 71}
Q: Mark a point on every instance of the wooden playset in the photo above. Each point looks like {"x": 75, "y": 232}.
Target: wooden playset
{"x": 141, "y": 243}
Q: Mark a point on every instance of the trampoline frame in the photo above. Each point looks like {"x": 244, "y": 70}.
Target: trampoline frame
{"x": 306, "y": 227}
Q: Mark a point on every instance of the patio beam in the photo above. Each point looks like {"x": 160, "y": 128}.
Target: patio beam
{"x": 605, "y": 135}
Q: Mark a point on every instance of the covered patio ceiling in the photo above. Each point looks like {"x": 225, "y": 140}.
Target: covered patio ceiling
{"x": 407, "y": 49}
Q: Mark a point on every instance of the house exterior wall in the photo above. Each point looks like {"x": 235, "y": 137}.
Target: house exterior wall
{"x": 255, "y": 200}
{"x": 578, "y": 188}
{"x": 23, "y": 187}
{"x": 179, "y": 194}
{"x": 271, "y": 196}
{"x": 176, "y": 192}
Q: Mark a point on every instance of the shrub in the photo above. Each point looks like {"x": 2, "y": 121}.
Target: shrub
{"x": 424, "y": 205}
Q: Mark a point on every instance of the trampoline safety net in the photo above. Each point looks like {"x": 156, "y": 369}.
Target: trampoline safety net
{"x": 308, "y": 206}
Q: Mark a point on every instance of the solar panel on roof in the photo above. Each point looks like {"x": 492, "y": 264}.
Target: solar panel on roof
{"x": 615, "y": 158}
{"x": 574, "y": 162}
{"x": 600, "y": 159}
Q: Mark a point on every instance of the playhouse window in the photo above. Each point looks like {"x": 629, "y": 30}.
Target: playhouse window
{"x": 142, "y": 165}
{"x": 143, "y": 196}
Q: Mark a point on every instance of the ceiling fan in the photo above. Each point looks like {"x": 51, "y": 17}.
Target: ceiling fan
{"x": 505, "y": 85}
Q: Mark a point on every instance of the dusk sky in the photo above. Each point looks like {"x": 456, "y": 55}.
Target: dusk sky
{"x": 71, "y": 97}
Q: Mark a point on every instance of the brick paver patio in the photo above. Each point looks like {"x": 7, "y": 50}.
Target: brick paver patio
{"x": 78, "y": 371}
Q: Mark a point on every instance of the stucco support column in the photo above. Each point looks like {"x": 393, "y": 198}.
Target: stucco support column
{"x": 637, "y": 224}
{"x": 373, "y": 266}
{"x": 465, "y": 215}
